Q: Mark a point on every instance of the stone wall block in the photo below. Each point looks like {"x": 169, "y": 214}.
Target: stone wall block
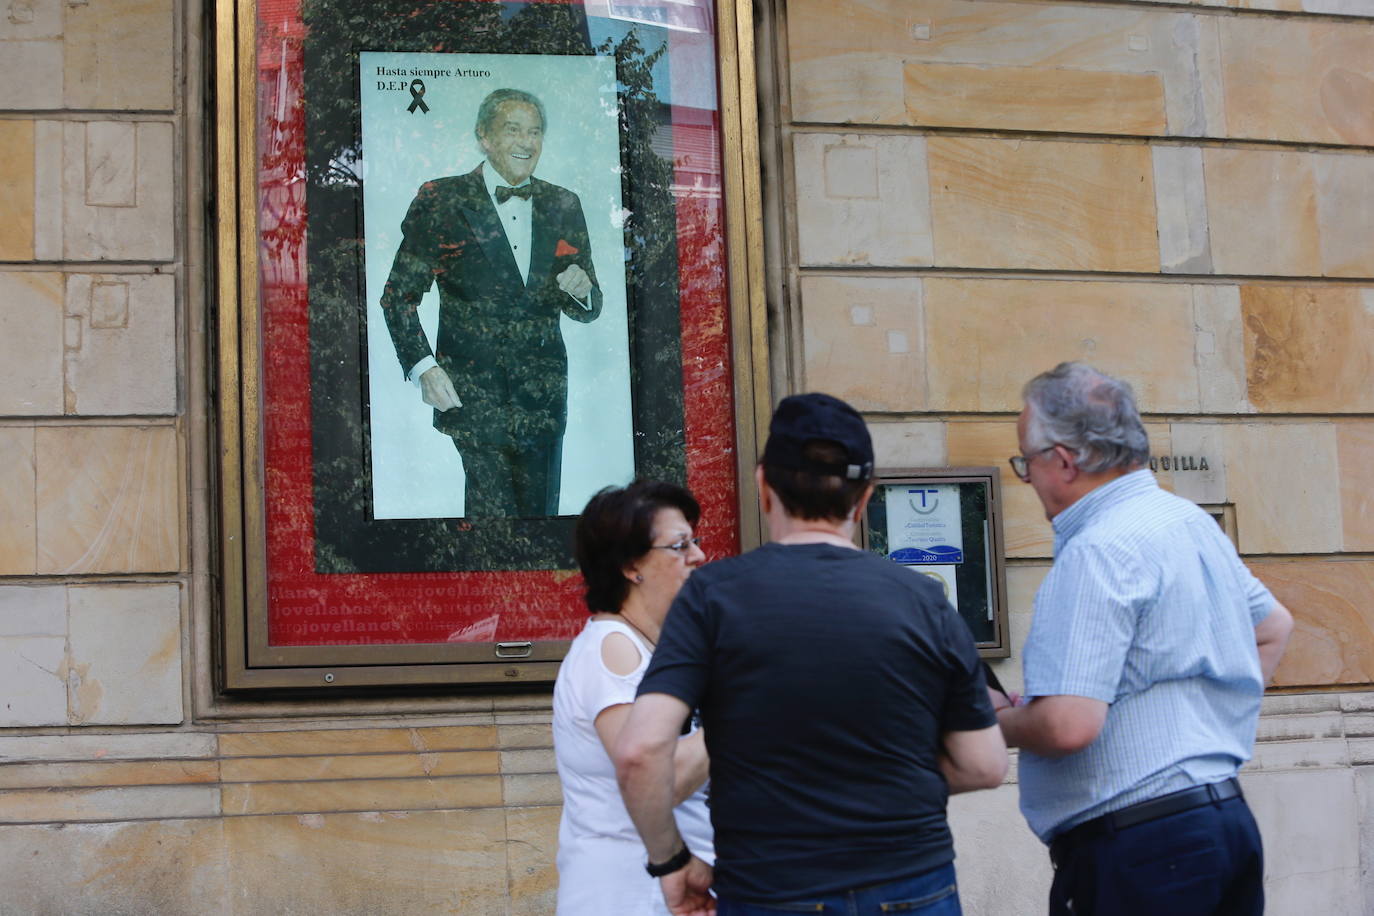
{"x": 1321, "y": 754}
{"x": 1345, "y": 212}
{"x": 30, "y": 74}
{"x": 1309, "y": 349}
{"x": 362, "y": 795}
{"x": 125, "y": 662}
{"x": 111, "y": 155}
{"x": 909, "y": 444}
{"x": 49, "y": 143}
{"x": 531, "y": 847}
{"x": 986, "y": 338}
{"x": 125, "y": 361}
{"x": 1005, "y": 65}
{"x": 1304, "y": 81}
{"x": 989, "y": 444}
{"x": 1262, "y": 212}
{"x": 168, "y": 867}
{"x": 862, "y": 200}
{"x": 425, "y": 765}
{"x": 1333, "y": 641}
{"x": 850, "y": 87}
{"x": 1311, "y": 839}
{"x": 1034, "y": 98}
{"x": 33, "y": 691}
{"x": 521, "y": 789}
{"x": 44, "y": 806}
{"x": 33, "y": 643}
{"x": 864, "y": 341}
{"x": 113, "y": 773}
{"x": 528, "y": 760}
{"x": 1220, "y": 350}
{"x": 1199, "y": 441}
{"x": 27, "y": 20}
{"x": 30, "y": 343}
{"x": 1042, "y": 205}
{"x": 106, "y": 216}
{"x": 1354, "y": 448}
{"x": 18, "y": 502}
{"x": 16, "y": 189}
{"x": 360, "y": 741}
{"x": 123, "y": 746}
{"x": 108, "y": 499}
{"x": 120, "y": 56}
{"x": 1279, "y": 510}
{"x": 1181, "y": 200}
{"x": 376, "y": 862}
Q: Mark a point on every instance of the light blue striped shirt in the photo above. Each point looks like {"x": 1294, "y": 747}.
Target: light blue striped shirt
{"x": 1147, "y": 608}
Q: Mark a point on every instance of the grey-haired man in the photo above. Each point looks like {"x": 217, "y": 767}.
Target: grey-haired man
{"x": 1146, "y": 661}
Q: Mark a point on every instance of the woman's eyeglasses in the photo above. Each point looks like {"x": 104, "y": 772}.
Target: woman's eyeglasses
{"x": 680, "y": 547}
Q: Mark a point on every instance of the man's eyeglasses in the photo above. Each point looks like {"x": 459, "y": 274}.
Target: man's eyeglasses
{"x": 1020, "y": 464}
{"x": 681, "y": 547}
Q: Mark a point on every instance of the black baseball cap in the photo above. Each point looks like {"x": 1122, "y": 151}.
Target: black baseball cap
{"x": 804, "y": 418}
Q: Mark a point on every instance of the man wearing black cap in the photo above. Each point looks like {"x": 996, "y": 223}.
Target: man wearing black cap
{"x": 841, "y": 696}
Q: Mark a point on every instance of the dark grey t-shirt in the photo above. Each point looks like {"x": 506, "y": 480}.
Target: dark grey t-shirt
{"x": 825, "y": 677}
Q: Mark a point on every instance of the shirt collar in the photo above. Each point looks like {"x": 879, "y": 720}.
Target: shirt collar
{"x": 493, "y": 179}
{"x": 1076, "y": 517}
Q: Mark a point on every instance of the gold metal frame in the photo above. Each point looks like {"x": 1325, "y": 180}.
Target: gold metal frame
{"x": 1000, "y": 645}
{"x": 245, "y": 660}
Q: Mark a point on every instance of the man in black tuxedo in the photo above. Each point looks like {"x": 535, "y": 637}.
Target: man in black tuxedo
{"x": 510, "y": 254}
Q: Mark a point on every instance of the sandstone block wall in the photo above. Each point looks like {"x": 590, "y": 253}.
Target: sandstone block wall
{"x": 976, "y": 190}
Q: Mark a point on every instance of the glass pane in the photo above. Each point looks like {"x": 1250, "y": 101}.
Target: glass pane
{"x": 940, "y": 530}
{"x": 548, "y": 270}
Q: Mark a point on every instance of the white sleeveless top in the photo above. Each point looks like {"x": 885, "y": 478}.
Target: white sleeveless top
{"x": 600, "y": 856}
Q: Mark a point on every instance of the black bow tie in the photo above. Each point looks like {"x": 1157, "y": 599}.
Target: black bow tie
{"x": 504, "y": 193}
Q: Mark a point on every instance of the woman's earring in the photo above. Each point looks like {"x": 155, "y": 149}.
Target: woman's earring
{"x": 638, "y": 578}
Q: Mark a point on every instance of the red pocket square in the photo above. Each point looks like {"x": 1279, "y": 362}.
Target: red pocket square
{"x": 563, "y": 249}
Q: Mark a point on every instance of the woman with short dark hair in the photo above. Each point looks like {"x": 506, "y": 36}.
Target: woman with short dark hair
{"x": 635, "y": 545}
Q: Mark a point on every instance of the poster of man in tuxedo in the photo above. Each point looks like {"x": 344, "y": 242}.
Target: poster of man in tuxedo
{"x": 498, "y": 377}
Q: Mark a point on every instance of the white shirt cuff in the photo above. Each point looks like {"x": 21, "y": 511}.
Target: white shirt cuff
{"x": 420, "y": 369}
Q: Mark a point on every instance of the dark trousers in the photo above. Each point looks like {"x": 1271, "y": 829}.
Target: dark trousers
{"x": 512, "y": 481}
{"x": 931, "y": 893}
{"x": 1206, "y": 861}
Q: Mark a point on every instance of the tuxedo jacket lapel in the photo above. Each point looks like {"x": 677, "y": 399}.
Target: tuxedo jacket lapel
{"x": 486, "y": 228}
{"x": 544, "y": 236}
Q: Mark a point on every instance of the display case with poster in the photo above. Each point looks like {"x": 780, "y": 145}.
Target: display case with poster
{"x": 478, "y": 260}
{"x": 946, "y": 523}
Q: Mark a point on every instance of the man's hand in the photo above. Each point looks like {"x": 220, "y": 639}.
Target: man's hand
{"x": 687, "y": 890}
{"x": 437, "y": 390}
{"x": 575, "y": 282}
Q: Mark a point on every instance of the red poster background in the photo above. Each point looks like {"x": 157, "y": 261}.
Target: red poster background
{"x": 306, "y": 608}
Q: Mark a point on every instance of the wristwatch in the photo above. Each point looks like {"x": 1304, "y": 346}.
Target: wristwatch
{"x": 679, "y": 860}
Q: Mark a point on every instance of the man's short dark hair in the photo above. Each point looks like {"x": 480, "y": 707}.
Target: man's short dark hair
{"x": 491, "y": 106}
{"x": 815, "y": 497}
{"x": 617, "y": 528}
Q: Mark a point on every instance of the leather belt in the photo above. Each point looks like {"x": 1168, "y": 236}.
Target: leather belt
{"x": 1148, "y": 810}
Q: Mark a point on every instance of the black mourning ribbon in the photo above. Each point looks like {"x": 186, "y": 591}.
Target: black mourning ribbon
{"x": 504, "y": 193}
{"x": 417, "y": 95}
